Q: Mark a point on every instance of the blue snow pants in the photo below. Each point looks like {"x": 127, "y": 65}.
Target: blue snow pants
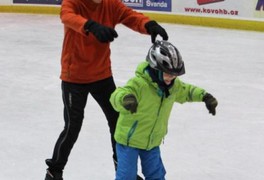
{"x": 151, "y": 163}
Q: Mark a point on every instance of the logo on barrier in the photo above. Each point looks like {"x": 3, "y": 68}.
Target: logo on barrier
{"x": 260, "y": 5}
{"x": 156, "y": 3}
{"x": 56, "y": 2}
{"x": 152, "y": 5}
{"x": 201, "y": 2}
{"x": 133, "y": 3}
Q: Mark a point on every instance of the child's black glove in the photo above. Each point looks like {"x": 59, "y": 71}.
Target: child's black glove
{"x": 102, "y": 33}
{"x": 154, "y": 29}
{"x": 130, "y": 103}
{"x": 210, "y": 103}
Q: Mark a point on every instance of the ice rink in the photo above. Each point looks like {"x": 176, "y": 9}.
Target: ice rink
{"x": 227, "y": 63}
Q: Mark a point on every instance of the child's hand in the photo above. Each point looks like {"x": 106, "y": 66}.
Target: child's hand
{"x": 130, "y": 103}
{"x": 210, "y": 103}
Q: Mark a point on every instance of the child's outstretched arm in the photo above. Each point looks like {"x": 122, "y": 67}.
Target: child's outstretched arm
{"x": 190, "y": 93}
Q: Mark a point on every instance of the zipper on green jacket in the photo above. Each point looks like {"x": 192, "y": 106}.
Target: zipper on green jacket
{"x": 131, "y": 132}
{"x": 151, "y": 132}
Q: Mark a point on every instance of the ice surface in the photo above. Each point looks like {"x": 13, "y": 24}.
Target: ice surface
{"x": 227, "y": 63}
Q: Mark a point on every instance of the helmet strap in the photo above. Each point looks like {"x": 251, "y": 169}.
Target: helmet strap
{"x": 157, "y": 76}
{"x": 160, "y": 76}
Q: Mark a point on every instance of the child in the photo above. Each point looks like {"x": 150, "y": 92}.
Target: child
{"x": 145, "y": 103}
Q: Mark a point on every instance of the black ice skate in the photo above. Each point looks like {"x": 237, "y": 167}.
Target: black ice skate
{"x": 139, "y": 178}
{"x": 53, "y": 175}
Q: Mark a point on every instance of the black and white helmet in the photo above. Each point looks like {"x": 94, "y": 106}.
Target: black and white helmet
{"x": 165, "y": 57}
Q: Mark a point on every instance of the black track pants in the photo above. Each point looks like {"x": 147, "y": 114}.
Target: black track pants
{"x": 74, "y": 99}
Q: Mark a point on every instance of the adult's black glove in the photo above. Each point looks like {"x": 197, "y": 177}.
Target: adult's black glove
{"x": 210, "y": 103}
{"x": 130, "y": 103}
{"x": 154, "y": 29}
{"x": 103, "y": 33}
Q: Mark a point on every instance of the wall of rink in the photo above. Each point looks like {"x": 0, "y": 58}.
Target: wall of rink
{"x": 233, "y": 14}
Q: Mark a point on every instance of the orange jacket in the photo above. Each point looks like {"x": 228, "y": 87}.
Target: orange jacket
{"x": 85, "y": 59}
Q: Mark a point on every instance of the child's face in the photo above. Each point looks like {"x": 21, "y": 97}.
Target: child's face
{"x": 168, "y": 78}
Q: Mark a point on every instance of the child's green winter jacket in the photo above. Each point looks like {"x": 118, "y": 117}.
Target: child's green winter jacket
{"x": 147, "y": 127}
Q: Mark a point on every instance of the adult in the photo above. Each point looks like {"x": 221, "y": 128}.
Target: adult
{"x": 86, "y": 66}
